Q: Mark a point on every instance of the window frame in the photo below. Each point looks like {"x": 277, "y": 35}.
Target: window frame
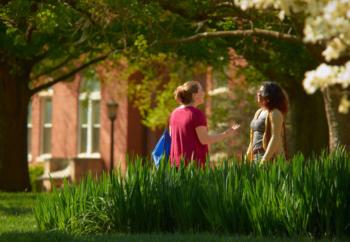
{"x": 90, "y": 98}
{"x": 29, "y": 126}
{"x": 45, "y": 95}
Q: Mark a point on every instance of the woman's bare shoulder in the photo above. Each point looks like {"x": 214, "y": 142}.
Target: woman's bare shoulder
{"x": 258, "y": 112}
{"x": 276, "y": 114}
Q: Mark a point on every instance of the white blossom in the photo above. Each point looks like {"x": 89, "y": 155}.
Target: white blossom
{"x": 308, "y": 83}
{"x": 326, "y": 21}
{"x": 325, "y": 76}
{"x": 281, "y": 15}
{"x": 334, "y": 48}
{"x": 344, "y": 75}
{"x": 344, "y": 105}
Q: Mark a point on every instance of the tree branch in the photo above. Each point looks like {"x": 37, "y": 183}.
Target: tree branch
{"x": 65, "y": 61}
{"x": 74, "y": 6}
{"x": 236, "y": 33}
{"x": 29, "y": 32}
{"x": 69, "y": 74}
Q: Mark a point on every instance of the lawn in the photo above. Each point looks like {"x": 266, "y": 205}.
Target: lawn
{"x": 17, "y": 223}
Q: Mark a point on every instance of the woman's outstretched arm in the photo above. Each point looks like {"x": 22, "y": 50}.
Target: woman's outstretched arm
{"x": 206, "y": 139}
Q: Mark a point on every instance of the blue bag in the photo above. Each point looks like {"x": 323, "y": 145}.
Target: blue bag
{"x": 162, "y": 148}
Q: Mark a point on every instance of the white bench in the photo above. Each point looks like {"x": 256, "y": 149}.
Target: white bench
{"x": 56, "y": 170}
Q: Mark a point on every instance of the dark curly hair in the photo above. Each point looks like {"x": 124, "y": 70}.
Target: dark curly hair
{"x": 275, "y": 96}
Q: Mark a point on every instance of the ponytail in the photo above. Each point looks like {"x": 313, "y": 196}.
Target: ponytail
{"x": 184, "y": 93}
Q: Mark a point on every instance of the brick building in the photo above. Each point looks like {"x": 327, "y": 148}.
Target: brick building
{"x": 70, "y": 121}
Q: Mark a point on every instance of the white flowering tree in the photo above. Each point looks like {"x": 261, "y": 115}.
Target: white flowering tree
{"x": 326, "y": 29}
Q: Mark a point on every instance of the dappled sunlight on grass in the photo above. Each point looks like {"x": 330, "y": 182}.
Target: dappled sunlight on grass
{"x": 16, "y": 212}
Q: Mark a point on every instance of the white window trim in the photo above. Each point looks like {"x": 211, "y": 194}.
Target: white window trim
{"x": 43, "y": 94}
{"x": 46, "y": 93}
{"x": 91, "y": 155}
{"x": 96, "y": 95}
{"x": 29, "y": 151}
{"x": 30, "y": 125}
{"x": 90, "y": 97}
{"x": 44, "y": 156}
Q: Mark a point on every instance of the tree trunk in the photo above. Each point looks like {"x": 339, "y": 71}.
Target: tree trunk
{"x": 307, "y": 126}
{"x": 338, "y": 123}
{"x": 14, "y": 99}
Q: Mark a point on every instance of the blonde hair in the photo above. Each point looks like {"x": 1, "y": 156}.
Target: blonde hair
{"x": 184, "y": 93}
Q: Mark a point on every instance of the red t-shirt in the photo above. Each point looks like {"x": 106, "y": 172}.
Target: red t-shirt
{"x": 184, "y": 140}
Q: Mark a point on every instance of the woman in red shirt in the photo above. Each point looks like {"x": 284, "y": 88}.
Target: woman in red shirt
{"x": 188, "y": 127}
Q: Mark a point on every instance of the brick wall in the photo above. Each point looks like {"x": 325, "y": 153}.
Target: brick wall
{"x": 65, "y": 119}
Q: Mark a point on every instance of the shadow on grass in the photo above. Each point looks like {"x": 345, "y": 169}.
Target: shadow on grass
{"x": 37, "y": 237}
{"x": 14, "y": 210}
{"x": 17, "y": 203}
{"x": 63, "y": 237}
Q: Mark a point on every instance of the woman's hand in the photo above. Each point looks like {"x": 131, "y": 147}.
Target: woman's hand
{"x": 235, "y": 126}
{"x": 206, "y": 139}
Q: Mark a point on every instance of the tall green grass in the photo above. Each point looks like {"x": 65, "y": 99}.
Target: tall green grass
{"x": 299, "y": 197}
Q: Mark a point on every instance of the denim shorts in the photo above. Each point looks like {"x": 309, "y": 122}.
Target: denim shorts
{"x": 257, "y": 157}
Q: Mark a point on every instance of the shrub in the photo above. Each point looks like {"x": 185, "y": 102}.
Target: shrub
{"x": 300, "y": 197}
{"x": 35, "y": 171}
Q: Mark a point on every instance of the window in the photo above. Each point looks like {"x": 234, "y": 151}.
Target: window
{"x": 29, "y": 127}
{"x": 46, "y": 125}
{"x": 89, "y": 122}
